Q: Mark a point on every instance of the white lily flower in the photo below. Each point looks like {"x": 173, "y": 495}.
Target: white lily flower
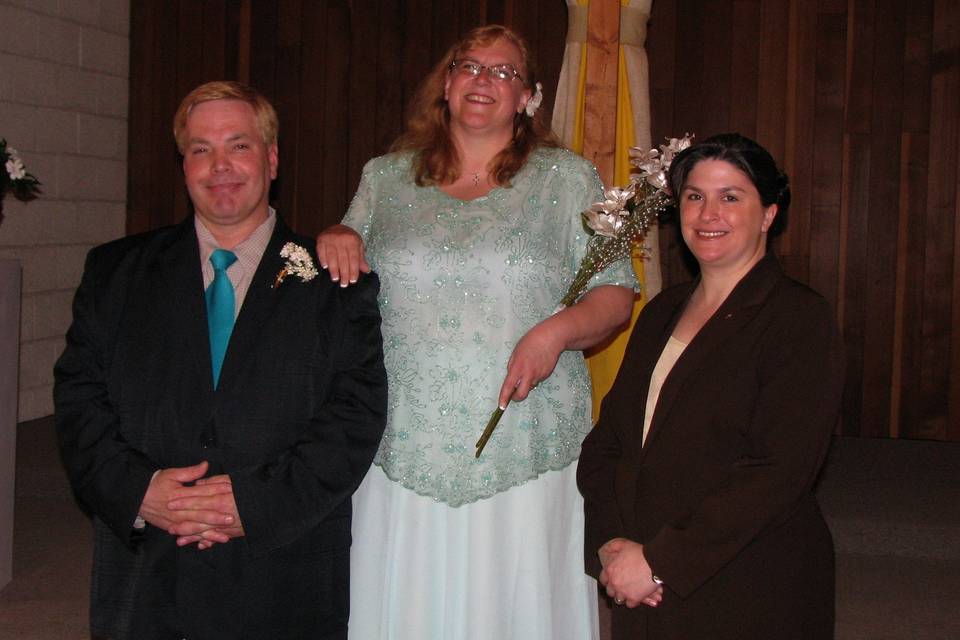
{"x": 646, "y": 161}
{"x": 658, "y": 180}
{"x": 616, "y": 199}
{"x": 604, "y": 224}
{"x": 673, "y": 147}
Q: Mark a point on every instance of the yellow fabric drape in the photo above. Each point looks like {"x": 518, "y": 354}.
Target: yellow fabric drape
{"x": 604, "y": 363}
{"x": 632, "y": 129}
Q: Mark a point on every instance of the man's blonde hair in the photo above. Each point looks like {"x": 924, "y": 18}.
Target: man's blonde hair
{"x": 267, "y": 121}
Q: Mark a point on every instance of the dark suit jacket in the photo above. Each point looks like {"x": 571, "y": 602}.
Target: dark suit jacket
{"x": 721, "y": 493}
{"x": 295, "y": 422}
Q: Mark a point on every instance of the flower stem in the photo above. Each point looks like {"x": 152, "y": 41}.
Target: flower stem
{"x": 491, "y": 425}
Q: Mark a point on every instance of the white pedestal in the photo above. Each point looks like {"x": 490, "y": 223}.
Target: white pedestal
{"x": 9, "y": 367}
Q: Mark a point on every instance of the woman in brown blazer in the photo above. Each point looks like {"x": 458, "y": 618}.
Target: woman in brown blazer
{"x": 700, "y": 516}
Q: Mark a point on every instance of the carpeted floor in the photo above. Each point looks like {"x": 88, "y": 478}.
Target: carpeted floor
{"x": 893, "y": 507}
{"x": 894, "y": 510}
{"x": 52, "y": 543}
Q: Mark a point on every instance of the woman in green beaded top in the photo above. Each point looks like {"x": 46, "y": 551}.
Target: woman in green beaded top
{"x": 473, "y": 224}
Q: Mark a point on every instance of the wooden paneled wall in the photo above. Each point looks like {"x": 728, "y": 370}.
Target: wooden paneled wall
{"x": 339, "y": 72}
{"x": 858, "y": 99}
{"x": 860, "y": 102}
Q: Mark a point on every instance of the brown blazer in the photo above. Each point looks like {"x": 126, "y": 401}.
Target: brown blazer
{"x": 721, "y": 495}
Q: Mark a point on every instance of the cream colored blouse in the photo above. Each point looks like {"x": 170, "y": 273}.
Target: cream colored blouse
{"x": 668, "y": 357}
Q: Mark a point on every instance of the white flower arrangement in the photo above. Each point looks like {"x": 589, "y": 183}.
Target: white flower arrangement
{"x": 604, "y": 217}
{"x": 534, "y": 102}
{"x": 653, "y": 164}
{"x": 15, "y": 178}
{"x": 624, "y": 216}
{"x": 299, "y": 263}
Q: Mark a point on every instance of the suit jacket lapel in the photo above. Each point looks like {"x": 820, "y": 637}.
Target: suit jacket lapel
{"x": 183, "y": 286}
{"x": 258, "y": 305}
{"x": 740, "y": 307}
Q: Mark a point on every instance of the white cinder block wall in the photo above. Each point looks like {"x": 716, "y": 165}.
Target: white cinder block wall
{"x": 64, "y": 67}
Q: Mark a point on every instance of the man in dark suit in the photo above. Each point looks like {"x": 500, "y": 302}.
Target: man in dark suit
{"x": 217, "y": 404}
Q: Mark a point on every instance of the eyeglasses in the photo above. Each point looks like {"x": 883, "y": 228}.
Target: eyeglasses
{"x": 472, "y": 68}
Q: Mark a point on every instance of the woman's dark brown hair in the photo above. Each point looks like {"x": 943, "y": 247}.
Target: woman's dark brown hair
{"x": 749, "y": 157}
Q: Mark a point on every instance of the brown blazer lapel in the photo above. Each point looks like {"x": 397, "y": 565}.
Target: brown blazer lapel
{"x": 737, "y": 310}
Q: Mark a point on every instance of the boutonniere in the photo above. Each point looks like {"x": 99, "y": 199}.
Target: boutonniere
{"x": 299, "y": 263}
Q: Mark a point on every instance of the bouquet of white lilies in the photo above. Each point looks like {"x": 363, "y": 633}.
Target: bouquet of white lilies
{"x": 619, "y": 222}
{"x": 622, "y": 219}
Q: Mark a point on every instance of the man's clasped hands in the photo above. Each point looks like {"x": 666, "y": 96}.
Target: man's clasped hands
{"x": 184, "y": 503}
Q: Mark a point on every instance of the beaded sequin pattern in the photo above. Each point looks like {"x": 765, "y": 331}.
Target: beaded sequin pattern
{"x": 461, "y": 282}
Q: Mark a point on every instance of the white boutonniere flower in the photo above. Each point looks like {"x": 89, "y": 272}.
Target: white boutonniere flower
{"x": 299, "y": 263}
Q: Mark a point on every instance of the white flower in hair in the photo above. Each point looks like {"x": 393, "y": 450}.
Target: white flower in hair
{"x": 534, "y": 102}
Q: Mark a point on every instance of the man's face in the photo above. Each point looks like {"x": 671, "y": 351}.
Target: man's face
{"x": 228, "y": 167}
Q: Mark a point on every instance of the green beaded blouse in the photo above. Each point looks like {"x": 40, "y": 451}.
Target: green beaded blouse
{"x": 462, "y": 281}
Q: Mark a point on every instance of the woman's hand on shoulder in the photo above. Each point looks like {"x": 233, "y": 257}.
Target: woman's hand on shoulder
{"x": 341, "y": 252}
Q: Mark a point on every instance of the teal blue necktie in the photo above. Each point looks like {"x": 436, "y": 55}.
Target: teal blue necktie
{"x": 220, "y": 309}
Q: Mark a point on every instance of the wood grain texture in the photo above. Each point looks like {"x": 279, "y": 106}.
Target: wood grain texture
{"x": 945, "y": 166}
{"x": 600, "y": 104}
{"x": 882, "y": 220}
{"x": 341, "y": 75}
{"x": 860, "y": 101}
{"x": 744, "y": 68}
{"x": 827, "y": 147}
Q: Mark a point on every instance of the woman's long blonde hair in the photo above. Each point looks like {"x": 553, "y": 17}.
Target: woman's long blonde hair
{"x": 427, "y": 134}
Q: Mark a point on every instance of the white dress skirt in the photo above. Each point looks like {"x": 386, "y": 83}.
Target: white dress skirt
{"x": 509, "y": 567}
